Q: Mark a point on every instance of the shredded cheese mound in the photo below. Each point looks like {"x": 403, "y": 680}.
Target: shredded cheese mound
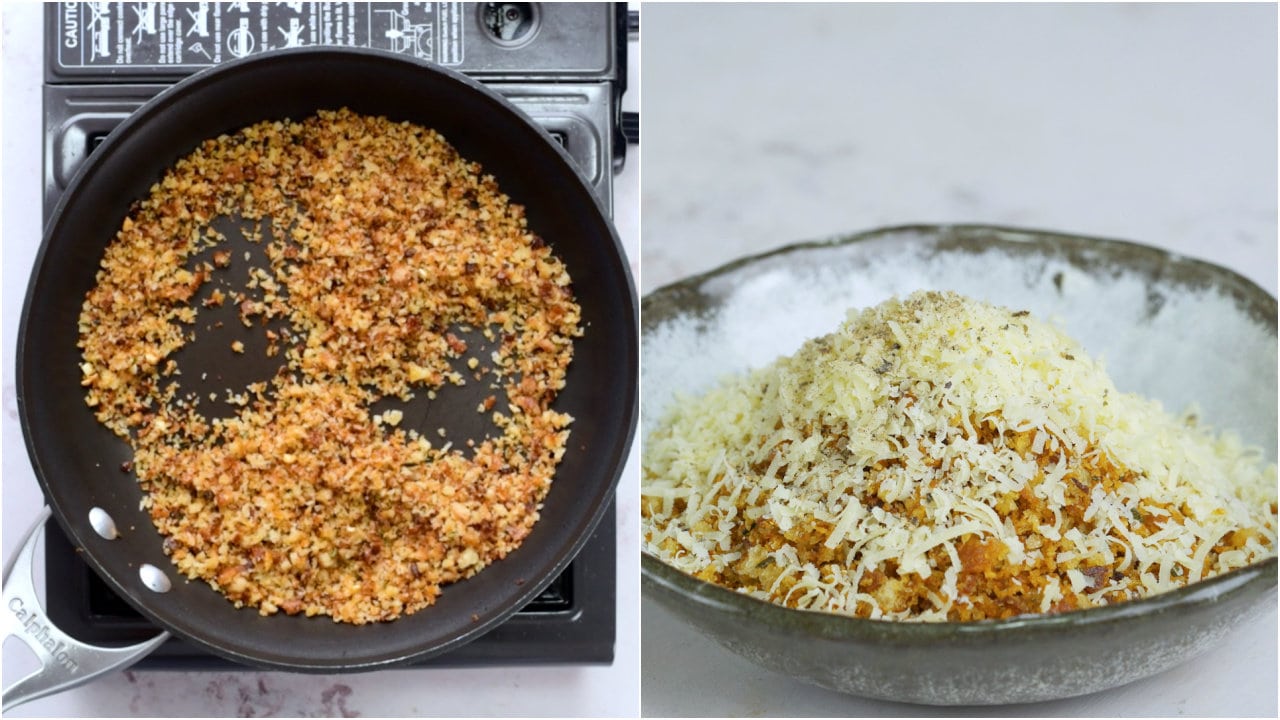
{"x": 942, "y": 459}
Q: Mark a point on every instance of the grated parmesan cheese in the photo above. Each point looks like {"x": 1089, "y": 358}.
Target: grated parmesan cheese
{"x": 938, "y": 458}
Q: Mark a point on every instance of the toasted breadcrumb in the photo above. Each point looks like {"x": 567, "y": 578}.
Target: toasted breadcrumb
{"x": 383, "y": 239}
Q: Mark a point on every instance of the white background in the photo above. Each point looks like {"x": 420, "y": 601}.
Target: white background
{"x": 505, "y": 691}
{"x": 766, "y": 126}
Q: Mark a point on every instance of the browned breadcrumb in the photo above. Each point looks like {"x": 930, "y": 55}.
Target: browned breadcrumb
{"x": 383, "y": 241}
{"x": 993, "y": 587}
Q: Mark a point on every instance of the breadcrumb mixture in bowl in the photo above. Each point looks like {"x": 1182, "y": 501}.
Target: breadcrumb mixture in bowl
{"x": 384, "y": 246}
{"x": 888, "y": 502}
{"x": 939, "y": 458}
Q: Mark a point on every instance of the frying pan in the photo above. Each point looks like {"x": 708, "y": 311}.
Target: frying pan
{"x": 78, "y": 462}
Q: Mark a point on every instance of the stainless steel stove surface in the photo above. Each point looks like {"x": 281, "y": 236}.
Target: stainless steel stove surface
{"x": 562, "y": 63}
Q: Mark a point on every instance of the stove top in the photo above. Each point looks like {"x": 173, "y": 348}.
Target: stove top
{"x": 562, "y": 63}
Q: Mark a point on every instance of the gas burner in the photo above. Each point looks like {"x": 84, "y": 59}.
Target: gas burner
{"x": 563, "y": 64}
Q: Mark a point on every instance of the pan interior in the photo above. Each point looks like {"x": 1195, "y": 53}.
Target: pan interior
{"x": 78, "y": 462}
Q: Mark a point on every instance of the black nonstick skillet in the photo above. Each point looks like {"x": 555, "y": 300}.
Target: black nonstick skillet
{"x": 78, "y": 462}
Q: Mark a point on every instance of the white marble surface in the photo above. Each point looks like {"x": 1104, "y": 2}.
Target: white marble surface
{"x": 768, "y": 125}
{"x": 503, "y": 691}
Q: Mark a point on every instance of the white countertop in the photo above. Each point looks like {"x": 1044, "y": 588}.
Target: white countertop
{"x": 501, "y": 691}
{"x": 766, "y": 126}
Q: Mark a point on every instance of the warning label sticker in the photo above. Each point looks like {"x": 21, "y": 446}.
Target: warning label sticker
{"x": 198, "y": 34}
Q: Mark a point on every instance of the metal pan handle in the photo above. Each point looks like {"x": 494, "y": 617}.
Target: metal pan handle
{"x": 65, "y": 661}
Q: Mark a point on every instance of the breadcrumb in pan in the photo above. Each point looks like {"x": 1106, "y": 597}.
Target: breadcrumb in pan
{"x": 383, "y": 241}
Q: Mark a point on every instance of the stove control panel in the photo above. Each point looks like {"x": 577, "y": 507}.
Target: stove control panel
{"x": 168, "y": 40}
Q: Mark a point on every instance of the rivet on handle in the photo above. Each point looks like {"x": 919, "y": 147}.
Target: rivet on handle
{"x": 154, "y": 578}
{"x": 103, "y": 524}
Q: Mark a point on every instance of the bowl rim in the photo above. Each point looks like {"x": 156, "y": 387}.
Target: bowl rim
{"x": 970, "y": 237}
{"x": 1258, "y": 577}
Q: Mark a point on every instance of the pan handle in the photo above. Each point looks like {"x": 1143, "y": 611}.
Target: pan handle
{"x": 65, "y": 661}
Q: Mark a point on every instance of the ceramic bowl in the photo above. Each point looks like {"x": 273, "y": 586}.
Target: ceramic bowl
{"x": 1176, "y": 329}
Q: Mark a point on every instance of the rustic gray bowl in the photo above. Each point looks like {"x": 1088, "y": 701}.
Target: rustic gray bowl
{"x": 1172, "y": 328}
